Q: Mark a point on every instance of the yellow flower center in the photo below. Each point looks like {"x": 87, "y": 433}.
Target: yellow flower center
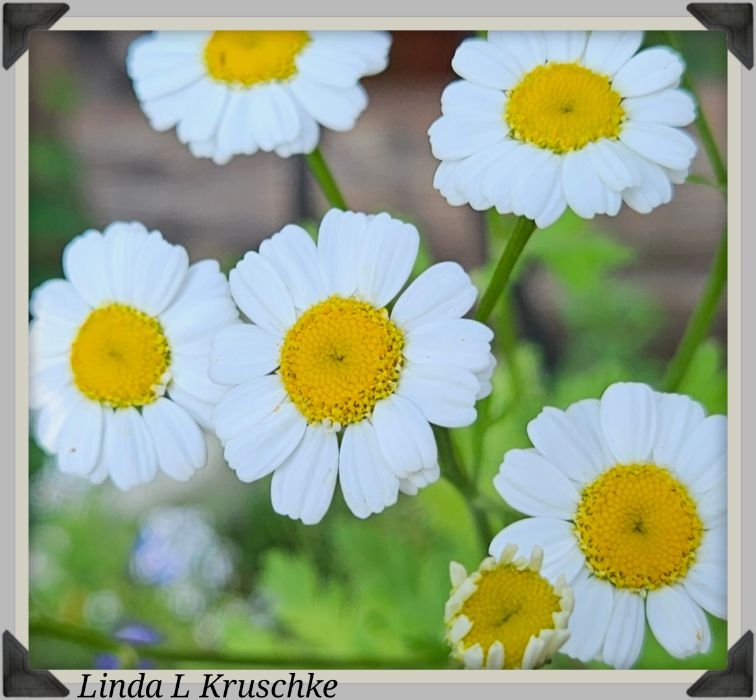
{"x": 339, "y": 359}
{"x": 249, "y": 58}
{"x": 563, "y": 107}
{"x": 638, "y": 527}
{"x": 120, "y": 356}
{"x": 510, "y": 606}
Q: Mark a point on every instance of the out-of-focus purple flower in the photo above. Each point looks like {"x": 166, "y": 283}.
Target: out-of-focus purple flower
{"x": 138, "y": 633}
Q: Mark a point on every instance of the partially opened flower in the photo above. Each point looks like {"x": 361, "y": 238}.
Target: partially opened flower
{"x": 327, "y": 382}
{"x": 628, "y": 496}
{"x": 237, "y": 92}
{"x": 119, "y": 356}
{"x": 543, "y": 121}
{"x": 505, "y": 614}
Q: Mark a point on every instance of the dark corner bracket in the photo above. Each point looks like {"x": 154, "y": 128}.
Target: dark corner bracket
{"x": 735, "y": 19}
{"x": 736, "y": 681}
{"x": 19, "y": 18}
{"x": 20, "y": 681}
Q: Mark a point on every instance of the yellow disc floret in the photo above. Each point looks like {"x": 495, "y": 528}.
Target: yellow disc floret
{"x": 638, "y": 527}
{"x": 120, "y": 357}
{"x": 563, "y": 107}
{"x": 339, "y": 359}
{"x": 249, "y": 58}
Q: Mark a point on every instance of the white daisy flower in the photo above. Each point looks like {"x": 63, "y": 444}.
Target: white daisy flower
{"x": 628, "y": 495}
{"x": 543, "y": 121}
{"x": 119, "y": 356}
{"x": 505, "y": 614}
{"x": 327, "y": 382}
{"x": 237, "y": 92}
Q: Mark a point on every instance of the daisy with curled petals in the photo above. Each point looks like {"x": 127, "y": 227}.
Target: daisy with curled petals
{"x": 505, "y": 614}
{"x": 542, "y": 121}
{"x": 237, "y": 92}
{"x": 327, "y": 382}
{"x": 628, "y": 495}
{"x": 119, "y": 356}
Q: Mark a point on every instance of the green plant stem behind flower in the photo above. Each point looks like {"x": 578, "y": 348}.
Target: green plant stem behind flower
{"x": 322, "y": 173}
{"x": 522, "y": 232}
{"x": 700, "y": 320}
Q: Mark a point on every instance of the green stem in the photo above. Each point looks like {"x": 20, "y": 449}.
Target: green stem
{"x": 99, "y": 641}
{"x": 466, "y": 486}
{"x": 322, "y": 173}
{"x": 522, "y": 232}
{"x": 700, "y": 321}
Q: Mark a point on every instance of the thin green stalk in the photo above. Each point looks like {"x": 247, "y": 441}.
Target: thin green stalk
{"x": 94, "y": 639}
{"x": 522, "y": 232}
{"x": 466, "y": 486}
{"x": 322, "y": 173}
{"x": 700, "y": 321}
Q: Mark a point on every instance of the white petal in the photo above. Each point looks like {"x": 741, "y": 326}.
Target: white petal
{"x": 203, "y": 110}
{"x": 649, "y": 71}
{"x": 388, "y": 256}
{"x": 160, "y": 270}
{"x": 495, "y": 658}
{"x": 464, "y": 99}
{"x": 419, "y": 480}
{"x": 673, "y": 107}
{"x": 302, "y": 487}
{"x": 51, "y": 418}
{"x": 241, "y": 352}
{"x": 266, "y": 444}
{"x": 371, "y": 47}
{"x": 628, "y": 420}
{"x": 234, "y": 133}
{"x": 538, "y": 192}
{"x": 583, "y": 189}
{"x": 444, "y": 393}
{"x": 294, "y": 255}
{"x": 564, "y": 47}
{"x": 333, "y": 107}
{"x": 712, "y": 506}
{"x": 81, "y": 439}
{"x": 341, "y": 240}
{"x": 444, "y": 290}
{"x": 607, "y": 52}
{"x": 473, "y": 657}
{"x": 485, "y": 64}
{"x": 654, "y": 187}
{"x": 261, "y": 294}
{"x": 534, "y": 486}
{"x": 563, "y": 440}
{"x": 677, "y": 622}
{"x": 678, "y": 418}
{"x": 702, "y": 460}
{"x": 367, "y": 481}
{"x": 84, "y": 264}
{"x": 587, "y": 415}
{"x": 271, "y": 115}
{"x": 457, "y": 341}
{"x": 665, "y": 145}
{"x": 201, "y": 307}
{"x": 706, "y": 582}
{"x": 47, "y": 379}
{"x": 404, "y": 436}
{"x": 616, "y": 171}
{"x": 59, "y": 300}
{"x": 594, "y": 602}
{"x": 624, "y": 636}
{"x": 179, "y": 442}
{"x": 128, "y": 451}
{"x": 561, "y": 554}
{"x": 123, "y": 250}
{"x": 523, "y": 49}
{"x": 246, "y": 405}
{"x": 191, "y": 375}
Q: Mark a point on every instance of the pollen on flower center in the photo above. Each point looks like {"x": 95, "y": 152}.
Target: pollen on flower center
{"x": 246, "y": 58}
{"x": 638, "y": 527}
{"x": 339, "y": 359}
{"x": 511, "y": 604}
{"x": 120, "y": 356}
{"x": 563, "y": 107}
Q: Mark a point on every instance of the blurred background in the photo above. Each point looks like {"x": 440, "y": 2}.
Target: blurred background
{"x": 204, "y": 573}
